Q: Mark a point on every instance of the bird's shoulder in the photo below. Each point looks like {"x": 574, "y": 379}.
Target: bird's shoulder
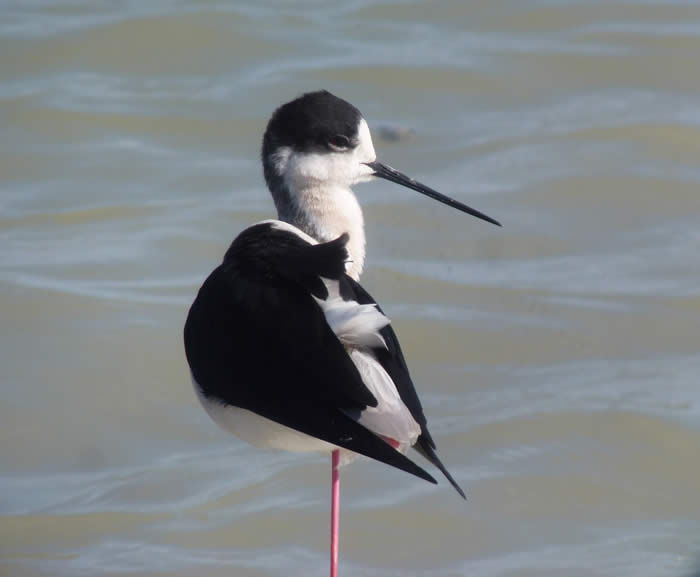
{"x": 255, "y": 330}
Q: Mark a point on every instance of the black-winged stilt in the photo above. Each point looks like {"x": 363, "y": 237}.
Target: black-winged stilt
{"x": 286, "y": 349}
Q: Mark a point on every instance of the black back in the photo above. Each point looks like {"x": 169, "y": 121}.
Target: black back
{"x": 254, "y": 319}
{"x": 255, "y": 338}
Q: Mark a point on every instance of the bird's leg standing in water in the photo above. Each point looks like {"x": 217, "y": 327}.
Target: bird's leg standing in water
{"x": 335, "y": 506}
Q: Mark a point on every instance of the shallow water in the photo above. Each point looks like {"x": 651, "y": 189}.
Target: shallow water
{"x": 557, "y": 358}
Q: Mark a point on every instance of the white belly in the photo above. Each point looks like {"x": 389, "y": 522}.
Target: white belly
{"x": 259, "y": 431}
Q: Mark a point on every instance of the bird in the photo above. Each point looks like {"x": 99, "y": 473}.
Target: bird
{"x": 286, "y": 348}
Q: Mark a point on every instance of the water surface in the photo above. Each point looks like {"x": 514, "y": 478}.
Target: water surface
{"x": 557, "y": 358}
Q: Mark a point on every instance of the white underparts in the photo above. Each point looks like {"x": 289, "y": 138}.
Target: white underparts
{"x": 259, "y": 431}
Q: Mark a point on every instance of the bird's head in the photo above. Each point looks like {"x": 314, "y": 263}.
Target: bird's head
{"x": 321, "y": 141}
{"x": 317, "y": 139}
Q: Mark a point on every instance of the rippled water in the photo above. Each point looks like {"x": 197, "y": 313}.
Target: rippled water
{"x": 557, "y": 358}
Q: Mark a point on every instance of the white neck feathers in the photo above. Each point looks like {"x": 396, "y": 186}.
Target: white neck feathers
{"x": 326, "y": 214}
{"x": 312, "y": 191}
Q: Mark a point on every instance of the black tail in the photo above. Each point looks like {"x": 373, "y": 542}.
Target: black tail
{"x": 424, "y": 448}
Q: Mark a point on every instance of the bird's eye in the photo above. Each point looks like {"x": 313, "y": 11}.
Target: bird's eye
{"x": 339, "y": 142}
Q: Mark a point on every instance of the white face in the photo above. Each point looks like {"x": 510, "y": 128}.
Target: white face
{"x": 343, "y": 168}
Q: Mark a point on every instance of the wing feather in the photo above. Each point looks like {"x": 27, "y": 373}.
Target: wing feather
{"x": 256, "y": 338}
{"x": 392, "y": 360}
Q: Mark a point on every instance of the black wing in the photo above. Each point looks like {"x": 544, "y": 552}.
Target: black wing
{"x": 394, "y": 364}
{"x": 256, "y": 339}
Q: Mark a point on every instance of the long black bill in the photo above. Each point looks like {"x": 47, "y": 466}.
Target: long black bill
{"x": 388, "y": 173}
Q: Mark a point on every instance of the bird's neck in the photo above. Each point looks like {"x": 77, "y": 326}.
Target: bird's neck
{"x": 326, "y": 213}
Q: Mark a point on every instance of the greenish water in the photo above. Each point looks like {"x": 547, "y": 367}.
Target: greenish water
{"x": 557, "y": 358}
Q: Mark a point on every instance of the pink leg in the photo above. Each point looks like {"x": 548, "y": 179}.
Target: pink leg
{"x": 335, "y": 509}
